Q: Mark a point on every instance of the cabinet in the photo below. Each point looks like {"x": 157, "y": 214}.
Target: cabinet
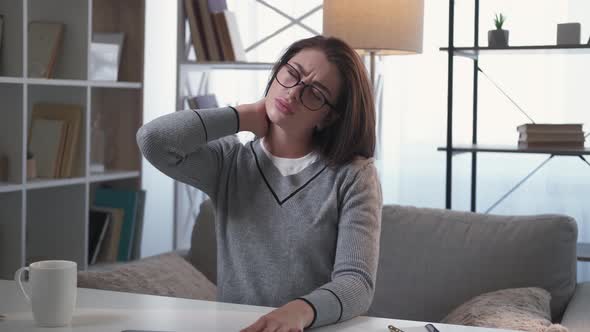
{"x": 475, "y": 53}
{"x": 48, "y": 218}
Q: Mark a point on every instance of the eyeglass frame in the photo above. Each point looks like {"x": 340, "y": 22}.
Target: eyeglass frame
{"x": 305, "y": 85}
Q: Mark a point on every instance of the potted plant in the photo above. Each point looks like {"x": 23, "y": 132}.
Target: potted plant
{"x": 498, "y": 38}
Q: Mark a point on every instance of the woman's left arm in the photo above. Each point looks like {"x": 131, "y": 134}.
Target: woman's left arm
{"x": 350, "y": 293}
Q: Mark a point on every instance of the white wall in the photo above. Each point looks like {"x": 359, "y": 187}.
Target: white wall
{"x": 159, "y": 98}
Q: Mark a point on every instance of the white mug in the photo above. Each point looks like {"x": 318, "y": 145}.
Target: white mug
{"x": 53, "y": 291}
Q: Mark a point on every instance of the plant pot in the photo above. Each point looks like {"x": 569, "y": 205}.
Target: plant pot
{"x": 498, "y": 38}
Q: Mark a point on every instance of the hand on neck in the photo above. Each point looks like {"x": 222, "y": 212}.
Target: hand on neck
{"x": 281, "y": 143}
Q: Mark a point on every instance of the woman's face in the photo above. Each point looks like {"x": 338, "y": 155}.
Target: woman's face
{"x": 287, "y": 108}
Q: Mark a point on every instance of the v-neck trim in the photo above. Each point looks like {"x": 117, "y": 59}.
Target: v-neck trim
{"x": 284, "y": 187}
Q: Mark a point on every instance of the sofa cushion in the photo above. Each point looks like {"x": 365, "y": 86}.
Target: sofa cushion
{"x": 433, "y": 260}
{"x": 166, "y": 275}
{"x": 523, "y": 309}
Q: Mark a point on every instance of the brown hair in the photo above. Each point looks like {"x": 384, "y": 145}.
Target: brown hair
{"x": 352, "y": 133}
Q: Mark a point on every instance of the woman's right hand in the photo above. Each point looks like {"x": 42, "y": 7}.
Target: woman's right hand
{"x": 253, "y": 117}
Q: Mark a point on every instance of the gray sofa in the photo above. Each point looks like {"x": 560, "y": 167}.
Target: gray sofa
{"x": 434, "y": 260}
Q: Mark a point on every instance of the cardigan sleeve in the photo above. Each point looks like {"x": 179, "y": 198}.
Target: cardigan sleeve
{"x": 190, "y": 145}
{"x": 350, "y": 292}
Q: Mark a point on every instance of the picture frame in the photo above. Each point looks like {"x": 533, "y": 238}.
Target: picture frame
{"x": 105, "y": 56}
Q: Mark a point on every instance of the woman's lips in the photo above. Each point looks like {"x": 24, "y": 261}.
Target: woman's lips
{"x": 283, "y": 106}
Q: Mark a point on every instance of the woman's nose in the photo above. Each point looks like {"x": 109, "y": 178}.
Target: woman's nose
{"x": 295, "y": 91}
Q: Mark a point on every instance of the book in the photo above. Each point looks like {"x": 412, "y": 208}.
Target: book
{"x": 72, "y": 116}
{"x": 212, "y": 44}
{"x": 555, "y": 145}
{"x": 203, "y": 101}
{"x": 222, "y": 36}
{"x": 545, "y": 127}
{"x": 45, "y": 40}
{"x": 138, "y": 236}
{"x": 551, "y": 137}
{"x": 105, "y": 56}
{"x": 229, "y": 36}
{"x": 196, "y": 30}
{"x": 126, "y": 200}
{"x": 46, "y": 139}
{"x": 98, "y": 223}
{"x": 109, "y": 249}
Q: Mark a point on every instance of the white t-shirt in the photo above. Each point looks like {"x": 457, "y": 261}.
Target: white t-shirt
{"x": 290, "y": 166}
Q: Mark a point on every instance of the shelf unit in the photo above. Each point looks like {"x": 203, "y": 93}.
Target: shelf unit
{"x": 474, "y": 148}
{"x": 48, "y": 218}
{"x": 183, "y": 205}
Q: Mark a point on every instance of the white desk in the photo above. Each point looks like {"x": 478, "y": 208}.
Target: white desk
{"x": 105, "y": 311}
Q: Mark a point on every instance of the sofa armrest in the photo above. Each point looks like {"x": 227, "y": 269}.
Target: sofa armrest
{"x": 576, "y": 317}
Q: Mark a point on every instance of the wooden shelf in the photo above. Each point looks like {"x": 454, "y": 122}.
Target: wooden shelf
{"x": 116, "y": 85}
{"x": 584, "y": 252}
{"x": 8, "y": 79}
{"x": 51, "y": 183}
{"x": 6, "y": 187}
{"x": 561, "y": 151}
{"x": 77, "y": 83}
{"x": 475, "y": 52}
{"x": 204, "y": 66}
{"x": 113, "y": 175}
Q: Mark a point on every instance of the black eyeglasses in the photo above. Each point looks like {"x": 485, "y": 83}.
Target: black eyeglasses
{"x": 311, "y": 97}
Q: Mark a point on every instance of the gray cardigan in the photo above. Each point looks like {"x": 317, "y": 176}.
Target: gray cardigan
{"x": 313, "y": 235}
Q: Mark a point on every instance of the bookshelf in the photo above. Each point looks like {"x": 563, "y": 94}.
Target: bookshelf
{"x": 47, "y": 218}
{"x": 476, "y": 53}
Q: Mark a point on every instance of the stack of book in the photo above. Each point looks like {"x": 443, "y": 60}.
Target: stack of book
{"x": 115, "y": 225}
{"x": 54, "y": 137}
{"x": 551, "y": 135}
{"x": 214, "y": 31}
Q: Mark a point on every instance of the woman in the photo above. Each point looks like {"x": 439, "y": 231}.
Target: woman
{"x": 298, "y": 210}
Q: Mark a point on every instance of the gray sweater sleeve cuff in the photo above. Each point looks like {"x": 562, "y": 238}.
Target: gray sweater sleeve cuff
{"x": 326, "y": 306}
{"x": 218, "y": 122}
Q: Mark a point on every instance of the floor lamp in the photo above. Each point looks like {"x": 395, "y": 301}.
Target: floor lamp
{"x": 375, "y": 28}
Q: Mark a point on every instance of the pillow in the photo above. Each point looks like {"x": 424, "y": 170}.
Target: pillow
{"x": 166, "y": 275}
{"x": 525, "y": 309}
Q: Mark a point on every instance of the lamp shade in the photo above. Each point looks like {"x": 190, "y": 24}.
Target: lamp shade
{"x": 380, "y": 26}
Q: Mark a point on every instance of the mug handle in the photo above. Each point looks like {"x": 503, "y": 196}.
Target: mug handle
{"x": 17, "y": 278}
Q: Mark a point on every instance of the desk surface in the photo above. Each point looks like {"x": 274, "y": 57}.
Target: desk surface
{"x": 106, "y": 311}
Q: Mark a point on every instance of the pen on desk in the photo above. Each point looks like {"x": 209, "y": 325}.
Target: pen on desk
{"x": 394, "y": 329}
{"x": 431, "y": 328}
